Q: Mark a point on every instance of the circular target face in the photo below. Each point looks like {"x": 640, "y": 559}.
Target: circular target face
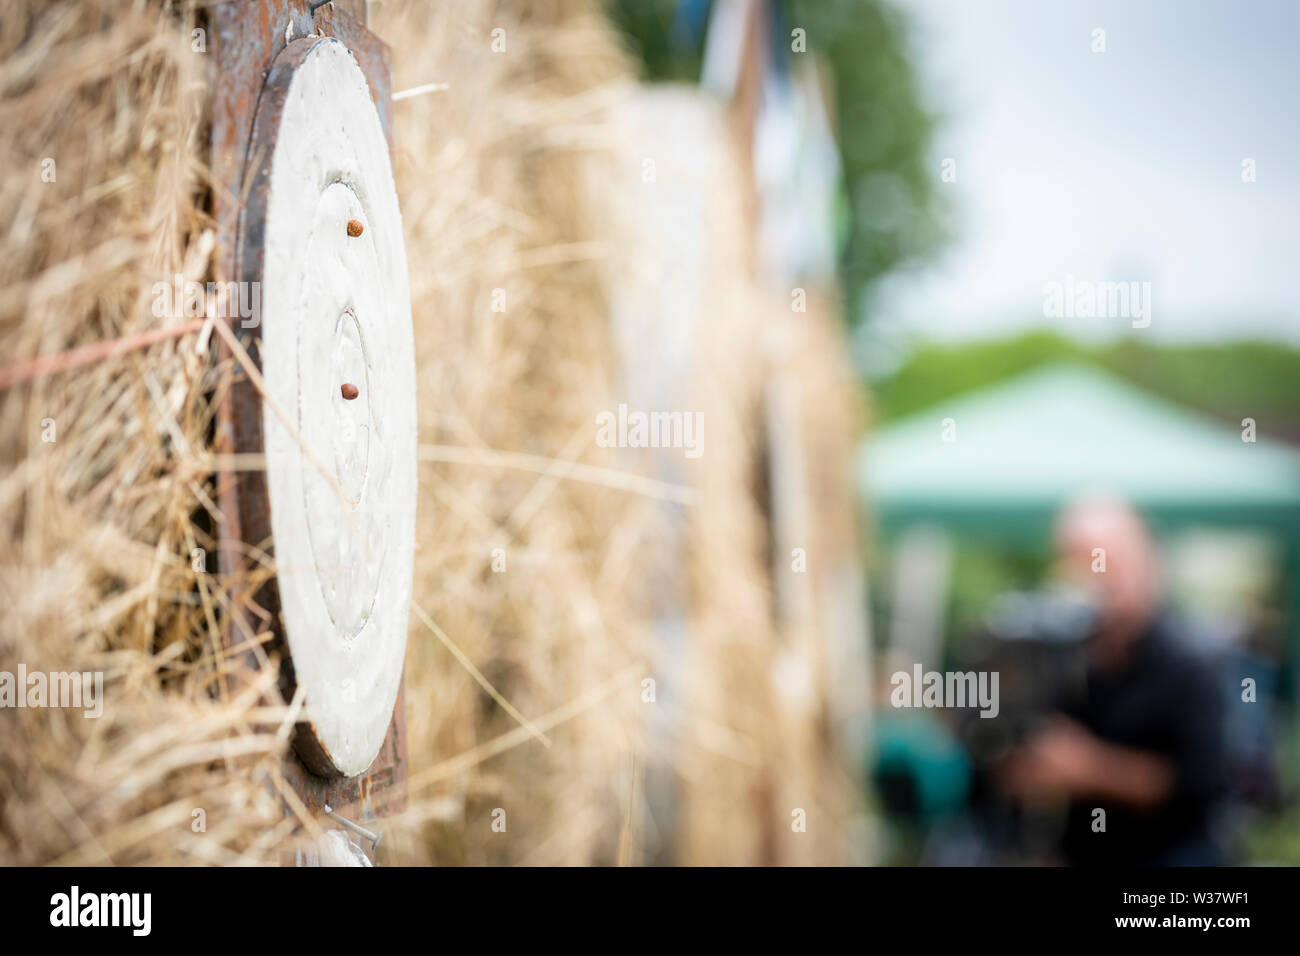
{"x": 321, "y": 232}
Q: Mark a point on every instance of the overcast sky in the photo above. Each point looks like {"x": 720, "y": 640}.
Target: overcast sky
{"x": 1123, "y": 165}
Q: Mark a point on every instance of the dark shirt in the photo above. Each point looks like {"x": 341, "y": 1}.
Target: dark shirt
{"x": 1164, "y": 700}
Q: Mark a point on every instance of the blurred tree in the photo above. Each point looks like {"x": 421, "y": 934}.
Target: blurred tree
{"x": 666, "y": 35}
{"x": 1230, "y": 381}
{"x": 883, "y": 126}
{"x": 891, "y": 209}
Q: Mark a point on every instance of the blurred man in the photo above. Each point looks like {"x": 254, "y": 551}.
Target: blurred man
{"x": 1142, "y": 741}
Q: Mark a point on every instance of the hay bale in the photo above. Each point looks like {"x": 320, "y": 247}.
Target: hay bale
{"x": 107, "y": 493}
{"x": 744, "y": 653}
{"x": 513, "y": 356}
{"x": 534, "y": 544}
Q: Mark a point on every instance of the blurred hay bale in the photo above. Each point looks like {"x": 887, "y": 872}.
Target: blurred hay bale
{"x": 777, "y": 674}
{"x": 748, "y": 740}
{"x": 499, "y": 181}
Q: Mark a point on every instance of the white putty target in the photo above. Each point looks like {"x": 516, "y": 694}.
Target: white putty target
{"x": 337, "y": 356}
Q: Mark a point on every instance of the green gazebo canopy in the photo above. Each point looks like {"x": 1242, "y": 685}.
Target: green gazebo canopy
{"x": 1023, "y": 448}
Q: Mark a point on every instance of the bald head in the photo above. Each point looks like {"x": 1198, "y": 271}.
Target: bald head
{"x": 1105, "y": 548}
